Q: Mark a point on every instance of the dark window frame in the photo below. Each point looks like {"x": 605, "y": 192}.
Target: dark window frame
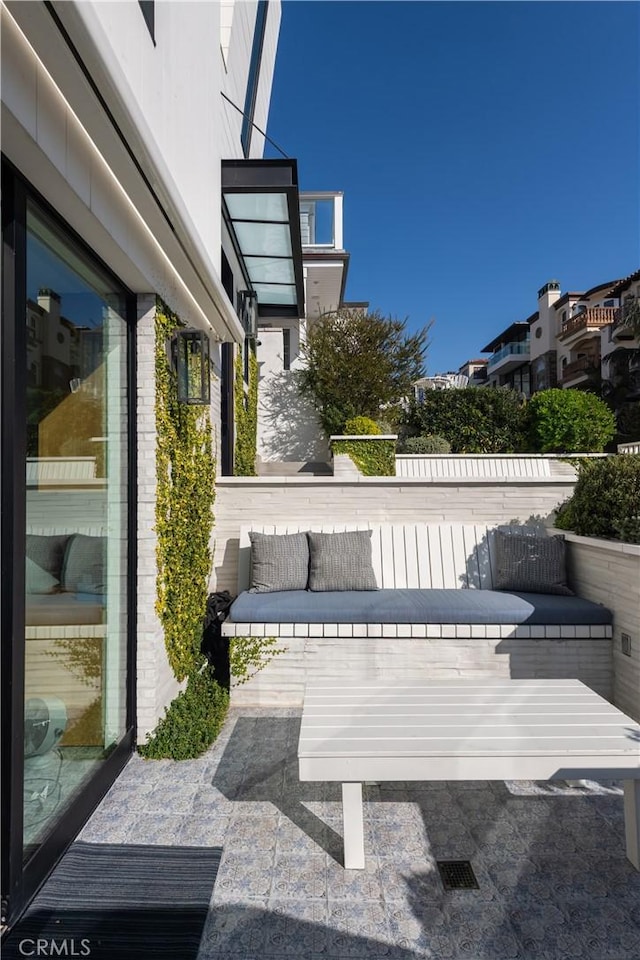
{"x": 286, "y": 348}
{"x": 148, "y": 9}
{"x": 21, "y": 879}
{"x": 253, "y": 78}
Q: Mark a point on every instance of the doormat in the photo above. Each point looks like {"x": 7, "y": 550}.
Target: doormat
{"x": 119, "y": 902}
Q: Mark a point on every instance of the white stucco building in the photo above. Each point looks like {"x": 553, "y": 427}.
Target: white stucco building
{"x": 288, "y": 429}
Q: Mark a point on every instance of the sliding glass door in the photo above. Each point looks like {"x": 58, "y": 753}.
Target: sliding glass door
{"x": 70, "y": 600}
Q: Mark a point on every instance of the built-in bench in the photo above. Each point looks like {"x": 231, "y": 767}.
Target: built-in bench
{"x": 436, "y": 614}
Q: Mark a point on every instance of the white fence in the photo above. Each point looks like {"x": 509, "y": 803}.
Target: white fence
{"x": 629, "y": 447}
{"x": 480, "y": 465}
{"x": 61, "y": 471}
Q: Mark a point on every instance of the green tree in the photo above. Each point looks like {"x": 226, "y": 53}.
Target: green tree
{"x": 569, "y": 421}
{"x": 356, "y": 363}
{"x": 471, "y": 419}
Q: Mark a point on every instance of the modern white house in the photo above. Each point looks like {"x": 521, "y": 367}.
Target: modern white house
{"x": 132, "y": 144}
{"x": 508, "y": 365}
{"x": 288, "y": 428}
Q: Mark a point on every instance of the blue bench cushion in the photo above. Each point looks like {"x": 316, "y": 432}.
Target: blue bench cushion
{"x": 416, "y": 606}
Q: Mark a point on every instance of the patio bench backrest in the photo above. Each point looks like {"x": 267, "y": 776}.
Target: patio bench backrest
{"x": 405, "y": 555}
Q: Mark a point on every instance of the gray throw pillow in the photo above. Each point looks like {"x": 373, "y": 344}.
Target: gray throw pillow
{"x": 39, "y": 580}
{"x": 84, "y": 569}
{"x": 48, "y": 551}
{"x": 278, "y": 562}
{"x": 341, "y": 561}
{"x": 531, "y": 564}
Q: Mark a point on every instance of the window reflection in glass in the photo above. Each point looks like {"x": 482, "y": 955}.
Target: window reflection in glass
{"x": 76, "y": 543}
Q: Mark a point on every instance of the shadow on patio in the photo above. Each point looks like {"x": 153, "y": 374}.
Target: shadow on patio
{"x": 553, "y": 878}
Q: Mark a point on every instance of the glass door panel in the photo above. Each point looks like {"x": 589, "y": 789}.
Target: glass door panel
{"x": 76, "y": 522}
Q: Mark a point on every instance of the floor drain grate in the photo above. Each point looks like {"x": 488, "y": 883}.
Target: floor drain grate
{"x": 457, "y": 875}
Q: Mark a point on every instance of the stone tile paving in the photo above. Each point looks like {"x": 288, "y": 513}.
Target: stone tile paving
{"x": 554, "y": 881}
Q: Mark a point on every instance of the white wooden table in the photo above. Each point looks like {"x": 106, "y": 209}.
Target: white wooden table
{"x": 464, "y": 729}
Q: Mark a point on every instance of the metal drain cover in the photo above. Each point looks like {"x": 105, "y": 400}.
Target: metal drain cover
{"x": 457, "y": 875}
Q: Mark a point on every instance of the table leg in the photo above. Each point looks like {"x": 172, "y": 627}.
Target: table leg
{"x": 353, "y": 826}
{"x": 632, "y": 820}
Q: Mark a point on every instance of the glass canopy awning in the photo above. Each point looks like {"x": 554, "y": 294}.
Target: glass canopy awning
{"x": 261, "y": 209}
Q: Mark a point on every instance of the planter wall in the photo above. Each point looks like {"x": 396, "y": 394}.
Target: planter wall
{"x": 609, "y": 572}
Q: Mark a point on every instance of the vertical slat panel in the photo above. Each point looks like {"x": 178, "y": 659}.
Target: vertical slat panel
{"x": 435, "y": 556}
{"x": 386, "y": 540}
{"x": 411, "y": 553}
{"x": 376, "y": 553}
{"x": 399, "y": 555}
{"x": 484, "y": 558}
{"x": 447, "y": 535}
{"x": 471, "y": 556}
{"x": 424, "y": 561}
{"x": 459, "y": 556}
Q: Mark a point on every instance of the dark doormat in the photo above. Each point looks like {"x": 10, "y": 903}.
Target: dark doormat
{"x": 119, "y": 902}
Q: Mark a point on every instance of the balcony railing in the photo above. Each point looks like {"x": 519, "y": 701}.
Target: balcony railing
{"x": 510, "y": 350}
{"x": 583, "y": 365}
{"x": 594, "y": 318}
{"x": 625, "y": 321}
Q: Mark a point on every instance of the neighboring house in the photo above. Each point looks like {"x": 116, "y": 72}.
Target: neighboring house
{"x": 563, "y": 344}
{"x": 475, "y": 371}
{"x": 131, "y": 170}
{"x": 288, "y": 428}
{"x": 508, "y": 365}
{"x": 439, "y": 381}
{"x": 620, "y": 346}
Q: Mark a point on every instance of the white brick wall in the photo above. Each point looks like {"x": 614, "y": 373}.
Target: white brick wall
{"x": 609, "y": 573}
{"x": 156, "y": 684}
{"x": 282, "y": 681}
{"x": 379, "y": 499}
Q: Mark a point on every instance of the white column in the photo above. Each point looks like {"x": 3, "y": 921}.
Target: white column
{"x": 353, "y": 826}
{"x": 632, "y": 820}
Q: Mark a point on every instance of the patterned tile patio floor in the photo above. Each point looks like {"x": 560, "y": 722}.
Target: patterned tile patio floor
{"x": 554, "y": 881}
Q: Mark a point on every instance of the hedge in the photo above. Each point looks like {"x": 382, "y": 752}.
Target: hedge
{"x": 606, "y": 499}
{"x": 471, "y": 419}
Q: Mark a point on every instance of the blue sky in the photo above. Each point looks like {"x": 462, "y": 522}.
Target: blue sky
{"x": 483, "y": 149}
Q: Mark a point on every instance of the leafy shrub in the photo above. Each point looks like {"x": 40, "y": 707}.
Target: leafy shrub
{"x": 372, "y": 459}
{"x": 191, "y": 722}
{"x": 569, "y": 421}
{"x": 361, "y": 426}
{"x": 472, "y": 419}
{"x": 430, "y": 443}
{"x": 606, "y": 499}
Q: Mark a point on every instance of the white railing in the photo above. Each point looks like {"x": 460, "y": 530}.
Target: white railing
{"x": 470, "y": 465}
{"x": 62, "y": 471}
{"x": 633, "y": 447}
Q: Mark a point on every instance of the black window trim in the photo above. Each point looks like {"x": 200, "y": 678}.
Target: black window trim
{"x": 21, "y": 879}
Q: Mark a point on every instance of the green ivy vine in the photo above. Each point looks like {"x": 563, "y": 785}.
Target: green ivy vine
{"x": 184, "y": 510}
{"x": 374, "y": 458}
{"x": 184, "y": 522}
{"x": 246, "y": 416}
